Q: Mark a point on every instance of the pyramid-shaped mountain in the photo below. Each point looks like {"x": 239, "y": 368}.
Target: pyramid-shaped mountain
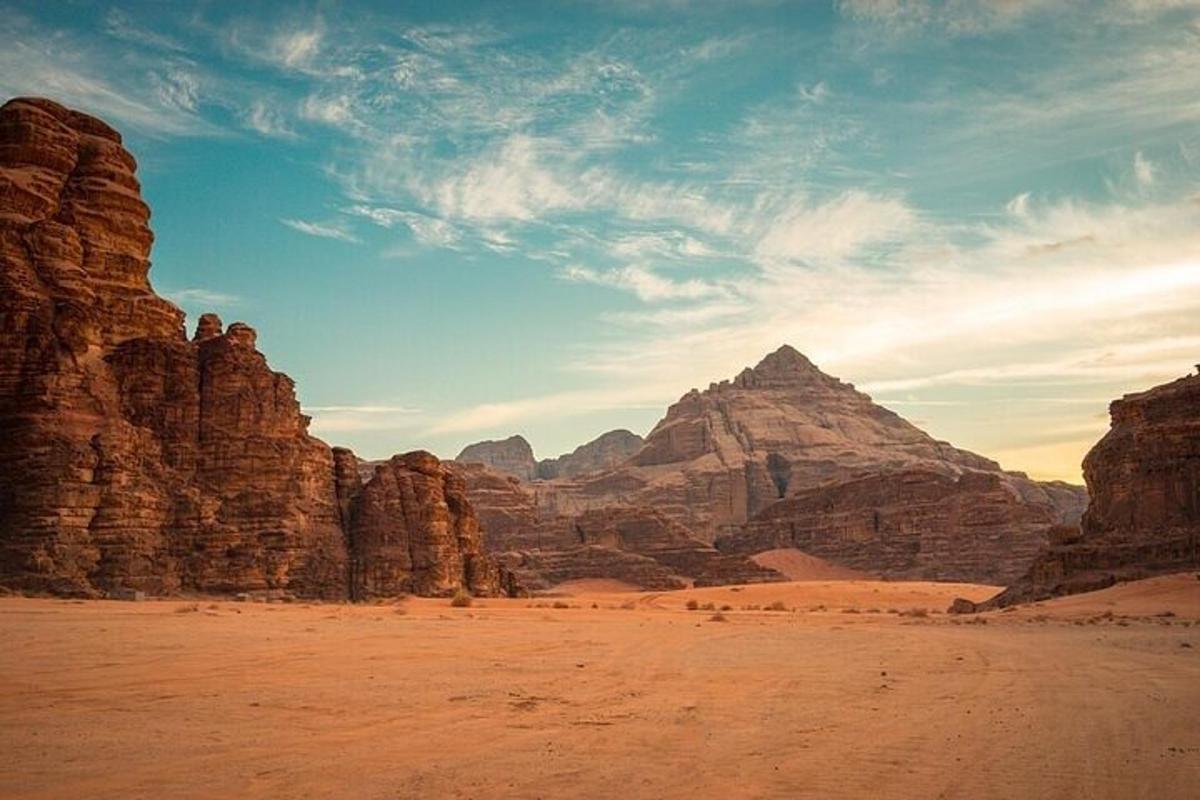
{"x": 784, "y": 455}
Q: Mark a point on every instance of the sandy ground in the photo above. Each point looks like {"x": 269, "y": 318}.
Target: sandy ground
{"x": 797, "y": 565}
{"x": 615, "y": 695}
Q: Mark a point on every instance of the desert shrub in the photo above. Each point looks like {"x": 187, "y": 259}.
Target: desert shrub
{"x": 462, "y": 599}
{"x": 629, "y": 605}
{"x": 915, "y": 612}
{"x": 709, "y": 607}
{"x": 561, "y": 604}
{"x": 718, "y": 618}
{"x": 727, "y": 607}
{"x": 693, "y": 604}
{"x": 817, "y": 608}
{"x": 188, "y": 609}
{"x": 851, "y": 611}
{"x": 778, "y": 605}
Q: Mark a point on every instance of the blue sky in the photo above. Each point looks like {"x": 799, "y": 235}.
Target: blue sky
{"x": 455, "y": 221}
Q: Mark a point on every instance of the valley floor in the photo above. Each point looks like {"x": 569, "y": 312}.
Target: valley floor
{"x": 616, "y": 695}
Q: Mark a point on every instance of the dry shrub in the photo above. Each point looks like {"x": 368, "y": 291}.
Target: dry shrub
{"x": 461, "y": 599}
{"x": 718, "y": 618}
{"x": 692, "y": 604}
{"x": 709, "y": 607}
{"x": 187, "y": 609}
{"x": 915, "y": 612}
{"x": 778, "y": 605}
{"x": 561, "y": 604}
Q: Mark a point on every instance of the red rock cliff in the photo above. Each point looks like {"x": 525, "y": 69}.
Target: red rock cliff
{"x": 1144, "y": 514}
{"x": 131, "y": 457}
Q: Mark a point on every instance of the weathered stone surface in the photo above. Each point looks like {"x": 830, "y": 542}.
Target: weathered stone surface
{"x": 512, "y": 455}
{"x": 412, "y": 529}
{"x": 553, "y": 549}
{"x": 915, "y": 524}
{"x": 1144, "y": 514}
{"x": 785, "y": 449}
{"x": 133, "y": 459}
{"x": 605, "y": 452}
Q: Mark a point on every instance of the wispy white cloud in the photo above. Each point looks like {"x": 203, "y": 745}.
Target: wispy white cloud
{"x": 1143, "y": 170}
{"x": 340, "y": 419}
{"x": 195, "y": 297}
{"x": 645, "y": 283}
{"x": 333, "y": 229}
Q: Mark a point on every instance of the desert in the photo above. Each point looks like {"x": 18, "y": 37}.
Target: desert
{"x": 856, "y": 689}
{"x": 562, "y": 399}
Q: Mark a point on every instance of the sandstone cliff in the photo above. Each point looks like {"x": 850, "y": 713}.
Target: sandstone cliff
{"x": 1144, "y": 514}
{"x": 784, "y": 455}
{"x": 512, "y": 455}
{"x": 133, "y": 458}
{"x": 634, "y": 544}
{"x": 602, "y": 453}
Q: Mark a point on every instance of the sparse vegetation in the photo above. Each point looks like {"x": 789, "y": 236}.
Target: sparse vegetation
{"x": 561, "y": 604}
{"x": 915, "y": 612}
{"x": 187, "y": 609}
{"x": 718, "y": 617}
{"x": 778, "y": 605}
{"x": 461, "y": 599}
{"x": 709, "y": 607}
{"x": 727, "y": 607}
{"x": 692, "y": 604}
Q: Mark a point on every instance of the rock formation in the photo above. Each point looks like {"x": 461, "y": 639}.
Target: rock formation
{"x": 1144, "y": 514}
{"x": 605, "y": 452}
{"x": 515, "y": 456}
{"x": 134, "y": 459}
{"x": 784, "y": 455}
{"x": 413, "y": 530}
{"x": 637, "y": 545}
{"x": 512, "y": 455}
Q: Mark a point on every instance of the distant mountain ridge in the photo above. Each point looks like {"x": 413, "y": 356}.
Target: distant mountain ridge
{"x": 784, "y": 455}
{"x": 514, "y": 455}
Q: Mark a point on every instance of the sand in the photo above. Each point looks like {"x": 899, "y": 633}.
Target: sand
{"x": 796, "y": 565}
{"x": 1088, "y": 697}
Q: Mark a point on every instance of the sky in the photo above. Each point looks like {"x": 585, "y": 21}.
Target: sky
{"x": 452, "y": 221}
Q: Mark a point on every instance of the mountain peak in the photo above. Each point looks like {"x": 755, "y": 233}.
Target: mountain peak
{"x": 784, "y": 367}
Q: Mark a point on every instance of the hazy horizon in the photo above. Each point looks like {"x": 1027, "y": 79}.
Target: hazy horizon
{"x": 451, "y": 224}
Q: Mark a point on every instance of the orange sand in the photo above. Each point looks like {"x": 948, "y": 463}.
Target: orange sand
{"x": 635, "y": 698}
{"x": 797, "y": 565}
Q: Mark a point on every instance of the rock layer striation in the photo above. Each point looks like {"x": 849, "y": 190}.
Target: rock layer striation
{"x": 134, "y": 459}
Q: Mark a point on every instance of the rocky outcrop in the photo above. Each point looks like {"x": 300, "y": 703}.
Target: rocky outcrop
{"x": 133, "y": 459}
{"x": 912, "y": 525}
{"x": 412, "y": 529}
{"x": 605, "y": 452}
{"x": 784, "y": 455}
{"x": 644, "y": 547}
{"x": 512, "y": 455}
{"x": 1144, "y": 514}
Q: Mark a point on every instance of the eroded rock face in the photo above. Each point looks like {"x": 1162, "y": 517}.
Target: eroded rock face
{"x": 412, "y": 530}
{"x": 1144, "y": 514}
{"x": 605, "y": 452}
{"x": 912, "y": 525}
{"x": 787, "y": 456}
{"x": 637, "y": 545}
{"x": 512, "y": 455}
{"x": 133, "y": 459}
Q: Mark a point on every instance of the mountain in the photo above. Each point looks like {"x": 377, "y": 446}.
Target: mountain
{"x": 133, "y": 458}
{"x": 512, "y": 455}
{"x": 515, "y": 456}
{"x": 1144, "y": 514}
{"x": 604, "y": 452}
{"x": 784, "y": 455}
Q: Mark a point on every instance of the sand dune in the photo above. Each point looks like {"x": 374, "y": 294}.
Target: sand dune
{"x": 635, "y": 697}
{"x": 797, "y": 565}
